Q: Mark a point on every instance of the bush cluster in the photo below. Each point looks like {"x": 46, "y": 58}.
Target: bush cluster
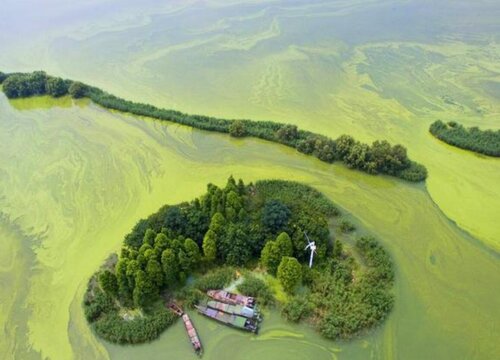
{"x": 355, "y": 306}
{"x": 36, "y": 83}
{"x": 257, "y": 288}
{"x": 113, "y": 328}
{"x": 380, "y": 157}
{"x": 485, "y": 142}
{"x": 298, "y": 308}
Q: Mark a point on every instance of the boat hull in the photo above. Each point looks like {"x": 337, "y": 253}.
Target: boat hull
{"x": 231, "y": 298}
{"x": 235, "y": 321}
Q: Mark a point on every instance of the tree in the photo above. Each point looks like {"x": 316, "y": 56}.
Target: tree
{"x": 275, "y": 216}
{"x": 343, "y": 145}
{"x": 77, "y": 90}
{"x": 155, "y": 272}
{"x": 287, "y": 133}
{"x": 121, "y": 276}
{"x": 234, "y": 204}
{"x": 325, "y": 150}
{"x": 193, "y": 253}
{"x": 217, "y": 223}
{"x": 241, "y": 187}
{"x": 161, "y": 242}
{"x": 274, "y": 251}
{"x": 235, "y": 248}
{"x": 358, "y": 156}
{"x": 170, "y": 266}
{"x": 184, "y": 262}
{"x": 56, "y": 87}
{"x": 284, "y": 244}
{"x": 144, "y": 290}
{"x": 3, "y": 76}
{"x": 307, "y": 145}
{"x": 230, "y": 184}
{"x": 135, "y": 238}
{"x": 289, "y": 273}
{"x": 210, "y": 245}
{"x": 132, "y": 268}
{"x": 145, "y": 247}
{"x": 149, "y": 237}
{"x": 108, "y": 282}
{"x": 175, "y": 219}
{"x": 266, "y": 257}
{"x": 237, "y": 129}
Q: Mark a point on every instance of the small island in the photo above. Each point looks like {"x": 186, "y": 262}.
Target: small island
{"x": 486, "y": 142}
{"x": 378, "y": 158}
{"x": 255, "y": 238}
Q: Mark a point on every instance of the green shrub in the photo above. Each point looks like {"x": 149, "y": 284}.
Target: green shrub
{"x": 298, "y": 308}
{"x": 77, "y": 90}
{"x": 237, "y": 129}
{"x": 115, "y": 329}
{"x": 216, "y": 279}
{"x": 56, "y": 87}
{"x": 190, "y": 296}
{"x": 252, "y": 286}
{"x": 346, "y": 226}
{"x": 100, "y": 303}
{"x": 289, "y": 273}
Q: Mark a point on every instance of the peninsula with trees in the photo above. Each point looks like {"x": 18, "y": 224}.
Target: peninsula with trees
{"x": 378, "y": 158}
{"x": 486, "y": 142}
{"x": 254, "y": 232}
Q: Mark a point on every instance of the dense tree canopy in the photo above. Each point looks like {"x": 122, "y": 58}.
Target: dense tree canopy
{"x": 380, "y": 157}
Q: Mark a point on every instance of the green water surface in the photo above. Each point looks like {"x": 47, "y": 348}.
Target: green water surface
{"x": 74, "y": 178}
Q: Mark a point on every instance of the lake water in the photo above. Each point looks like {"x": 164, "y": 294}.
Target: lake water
{"x": 74, "y": 178}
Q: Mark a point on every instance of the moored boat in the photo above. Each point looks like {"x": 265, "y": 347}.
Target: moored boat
{"x": 190, "y": 329}
{"x": 193, "y": 335}
{"x": 240, "y": 310}
{"x": 238, "y": 322}
{"x": 231, "y": 298}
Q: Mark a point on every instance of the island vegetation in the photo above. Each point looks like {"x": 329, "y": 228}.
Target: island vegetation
{"x": 378, "y": 158}
{"x": 485, "y": 142}
{"x": 254, "y": 231}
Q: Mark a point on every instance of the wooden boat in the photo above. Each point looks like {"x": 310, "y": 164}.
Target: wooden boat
{"x": 235, "y": 321}
{"x": 231, "y": 298}
{"x": 239, "y": 310}
{"x": 193, "y": 335}
{"x": 191, "y": 331}
{"x": 175, "y": 309}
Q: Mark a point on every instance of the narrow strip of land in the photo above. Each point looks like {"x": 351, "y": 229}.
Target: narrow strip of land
{"x": 486, "y": 142}
{"x": 378, "y": 158}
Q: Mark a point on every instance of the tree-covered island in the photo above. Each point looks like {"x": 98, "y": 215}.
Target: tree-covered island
{"x": 254, "y": 231}
{"x": 378, "y": 158}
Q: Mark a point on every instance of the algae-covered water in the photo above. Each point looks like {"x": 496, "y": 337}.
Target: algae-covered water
{"x": 75, "y": 178}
